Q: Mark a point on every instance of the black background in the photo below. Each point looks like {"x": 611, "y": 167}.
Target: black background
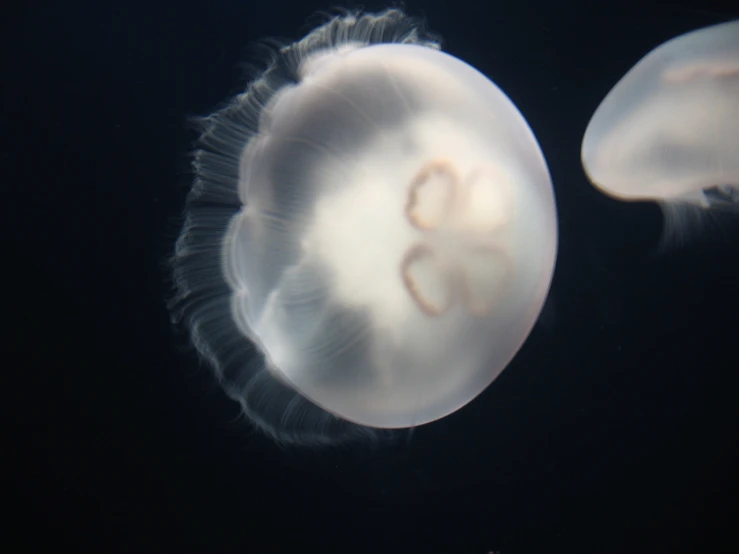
{"x": 614, "y": 430}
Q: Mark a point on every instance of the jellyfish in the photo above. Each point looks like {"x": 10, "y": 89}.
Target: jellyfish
{"x": 669, "y": 130}
{"x": 369, "y": 238}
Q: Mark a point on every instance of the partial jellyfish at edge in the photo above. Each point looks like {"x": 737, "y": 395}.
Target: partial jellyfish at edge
{"x": 370, "y": 236}
{"x": 668, "y": 131}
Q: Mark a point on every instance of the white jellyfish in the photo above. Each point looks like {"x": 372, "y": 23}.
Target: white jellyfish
{"x": 669, "y": 130}
{"x": 376, "y": 218}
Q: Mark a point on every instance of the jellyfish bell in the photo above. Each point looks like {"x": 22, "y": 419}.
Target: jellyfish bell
{"x": 377, "y": 219}
{"x": 668, "y": 131}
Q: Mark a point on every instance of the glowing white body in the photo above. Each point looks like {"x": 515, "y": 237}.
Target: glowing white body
{"x": 397, "y": 237}
{"x": 669, "y": 129}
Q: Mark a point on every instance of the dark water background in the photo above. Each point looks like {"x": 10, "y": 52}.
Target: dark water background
{"x": 614, "y": 430}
